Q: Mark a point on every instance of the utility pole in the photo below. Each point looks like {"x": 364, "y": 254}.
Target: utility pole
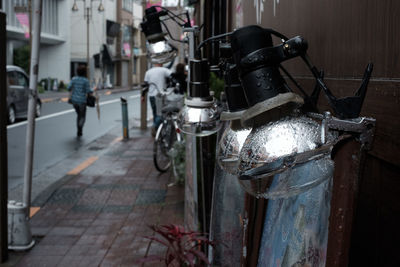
{"x": 33, "y": 77}
{"x": 87, "y": 42}
{"x": 87, "y": 14}
{"x": 3, "y": 142}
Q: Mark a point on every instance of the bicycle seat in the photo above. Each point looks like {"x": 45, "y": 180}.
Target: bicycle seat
{"x": 170, "y": 109}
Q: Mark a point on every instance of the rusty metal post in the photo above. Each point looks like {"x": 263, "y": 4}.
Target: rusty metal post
{"x": 348, "y": 163}
{"x": 3, "y": 143}
{"x": 143, "y": 110}
{"x": 125, "y": 120}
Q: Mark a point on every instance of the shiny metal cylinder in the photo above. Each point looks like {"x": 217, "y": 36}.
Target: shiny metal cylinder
{"x": 230, "y": 146}
{"x": 272, "y": 145}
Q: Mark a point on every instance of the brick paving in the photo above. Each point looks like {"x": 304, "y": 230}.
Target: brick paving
{"x": 100, "y": 216}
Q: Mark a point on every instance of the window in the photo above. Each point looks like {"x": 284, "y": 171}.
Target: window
{"x": 22, "y": 80}
{"x": 127, "y": 5}
{"x": 12, "y": 78}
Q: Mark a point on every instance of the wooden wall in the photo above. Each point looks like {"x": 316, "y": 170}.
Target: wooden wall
{"x": 343, "y": 36}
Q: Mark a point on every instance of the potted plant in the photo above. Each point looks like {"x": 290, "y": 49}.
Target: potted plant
{"x": 183, "y": 247}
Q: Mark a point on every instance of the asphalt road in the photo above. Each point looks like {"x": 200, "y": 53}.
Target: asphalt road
{"x": 55, "y": 134}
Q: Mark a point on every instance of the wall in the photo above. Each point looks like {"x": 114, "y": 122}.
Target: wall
{"x": 97, "y": 29}
{"x": 138, "y": 38}
{"x": 57, "y": 55}
{"x": 343, "y": 37}
{"x": 54, "y": 42}
{"x": 124, "y": 64}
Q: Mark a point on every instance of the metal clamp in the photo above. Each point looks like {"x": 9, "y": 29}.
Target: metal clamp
{"x": 363, "y": 127}
{"x": 286, "y": 162}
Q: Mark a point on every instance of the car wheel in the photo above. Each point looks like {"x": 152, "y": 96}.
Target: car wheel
{"x": 11, "y": 115}
{"x": 38, "y": 109}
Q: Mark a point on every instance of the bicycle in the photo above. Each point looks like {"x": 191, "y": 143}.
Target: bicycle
{"x": 168, "y": 133}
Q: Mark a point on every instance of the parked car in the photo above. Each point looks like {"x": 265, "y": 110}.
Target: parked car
{"x": 18, "y": 94}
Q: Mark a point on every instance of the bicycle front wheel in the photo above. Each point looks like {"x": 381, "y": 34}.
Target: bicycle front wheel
{"x": 162, "y": 145}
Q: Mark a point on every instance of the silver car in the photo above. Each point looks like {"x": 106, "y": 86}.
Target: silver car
{"x": 18, "y": 94}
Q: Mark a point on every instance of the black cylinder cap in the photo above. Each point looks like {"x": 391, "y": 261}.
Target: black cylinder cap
{"x": 249, "y": 39}
{"x": 263, "y": 81}
{"x": 151, "y": 27}
{"x": 262, "y": 84}
{"x": 234, "y": 91}
{"x": 199, "y": 71}
{"x": 199, "y": 77}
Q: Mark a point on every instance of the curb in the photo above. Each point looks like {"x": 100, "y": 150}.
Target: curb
{"x": 63, "y": 97}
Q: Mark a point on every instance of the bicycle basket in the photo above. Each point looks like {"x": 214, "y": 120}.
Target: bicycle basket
{"x": 174, "y": 100}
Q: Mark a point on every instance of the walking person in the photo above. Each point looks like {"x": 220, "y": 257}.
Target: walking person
{"x": 157, "y": 79}
{"x": 80, "y": 87}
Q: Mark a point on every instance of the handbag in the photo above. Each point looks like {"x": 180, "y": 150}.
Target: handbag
{"x": 70, "y": 94}
{"x": 90, "y": 100}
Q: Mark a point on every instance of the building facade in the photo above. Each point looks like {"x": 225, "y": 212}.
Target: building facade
{"x": 89, "y": 39}
{"x": 75, "y": 32}
{"x": 55, "y": 36}
{"x": 114, "y": 41}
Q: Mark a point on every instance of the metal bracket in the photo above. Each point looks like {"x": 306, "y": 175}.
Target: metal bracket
{"x": 362, "y": 128}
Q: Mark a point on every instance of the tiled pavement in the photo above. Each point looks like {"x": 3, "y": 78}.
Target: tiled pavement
{"x": 100, "y": 216}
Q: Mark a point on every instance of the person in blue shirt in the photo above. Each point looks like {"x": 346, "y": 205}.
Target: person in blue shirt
{"x": 80, "y": 87}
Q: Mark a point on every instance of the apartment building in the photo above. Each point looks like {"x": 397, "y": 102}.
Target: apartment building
{"x": 55, "y": 35}
{"x": 102, "y": 33}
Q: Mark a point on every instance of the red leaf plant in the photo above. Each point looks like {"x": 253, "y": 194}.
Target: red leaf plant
{"x": 183, "y": 247}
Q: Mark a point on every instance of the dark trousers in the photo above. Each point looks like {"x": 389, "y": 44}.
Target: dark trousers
{"x": 81, "y": 116}
{"x": 156, "y": 119}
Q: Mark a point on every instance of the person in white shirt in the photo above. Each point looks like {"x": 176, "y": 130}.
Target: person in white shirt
{"x": 157, "y": 78}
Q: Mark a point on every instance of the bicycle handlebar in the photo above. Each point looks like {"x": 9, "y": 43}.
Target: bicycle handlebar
{"x": 164, "y": 92}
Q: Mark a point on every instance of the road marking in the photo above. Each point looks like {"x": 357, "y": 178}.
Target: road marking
{"x": 33, "y": 211}
{"x": 82, "y": 166}
{"x": 116, "y": 140}
{"x": 63, "y": 113}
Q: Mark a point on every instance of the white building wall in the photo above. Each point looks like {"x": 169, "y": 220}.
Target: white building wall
{"x": 137, "y": 14}
{"x": 97, "y": 28}
{"x": 54, "y": 60}
{"x": 54, "y": 43}
{"x": 97, "y": 31}
{"x": 138, "y": 50}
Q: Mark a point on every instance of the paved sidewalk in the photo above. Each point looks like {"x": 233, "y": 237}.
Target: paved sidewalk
{"x": 101, "y": 212}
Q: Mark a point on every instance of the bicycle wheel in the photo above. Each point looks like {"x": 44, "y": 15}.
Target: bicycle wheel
{"x": 162, "y": 144}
